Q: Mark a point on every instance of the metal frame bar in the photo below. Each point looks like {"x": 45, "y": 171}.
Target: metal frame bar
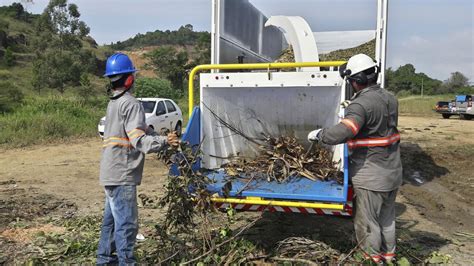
{"x": 381, "y": 38}
{"x": 267, "y": 66}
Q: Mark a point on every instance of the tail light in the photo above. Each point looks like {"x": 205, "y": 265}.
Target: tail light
{"x": 469, "y": 104}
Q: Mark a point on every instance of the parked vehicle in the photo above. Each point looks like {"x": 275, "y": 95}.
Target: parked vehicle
{"x": 444, "y": 108}
{"x": 160, "y": 113}
{"x": 464, "y": 106}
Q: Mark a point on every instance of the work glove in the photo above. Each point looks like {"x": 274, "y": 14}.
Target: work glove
{"x": 315, "y": 135}
{"x": 173, "y": 139}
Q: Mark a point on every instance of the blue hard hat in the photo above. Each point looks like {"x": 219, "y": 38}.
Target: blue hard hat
{"x": 118, "y": 64}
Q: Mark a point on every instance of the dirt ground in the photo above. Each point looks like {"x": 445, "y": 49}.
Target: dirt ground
{"x": 434, "y": 207}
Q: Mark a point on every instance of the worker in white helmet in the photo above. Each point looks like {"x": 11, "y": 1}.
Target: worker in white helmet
{"x": 370, "y": 130}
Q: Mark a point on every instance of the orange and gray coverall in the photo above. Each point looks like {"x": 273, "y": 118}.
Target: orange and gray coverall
{"x": 370, "y": 130}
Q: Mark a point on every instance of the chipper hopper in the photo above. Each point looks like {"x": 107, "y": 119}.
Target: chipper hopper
{"x": 275, "y": 104}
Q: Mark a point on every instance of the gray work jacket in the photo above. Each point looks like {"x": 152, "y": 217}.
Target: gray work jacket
{"x": 126, "y": 142}
{"x": 370, "y": 130}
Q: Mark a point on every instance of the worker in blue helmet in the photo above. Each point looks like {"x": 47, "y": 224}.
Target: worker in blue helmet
{"x": 126, "y": 141}
{"x": 121, "y": 72}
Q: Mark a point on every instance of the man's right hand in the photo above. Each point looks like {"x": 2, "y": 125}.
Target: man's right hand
{"x": 314, "y": 135}
{"x": 173, "y": 139}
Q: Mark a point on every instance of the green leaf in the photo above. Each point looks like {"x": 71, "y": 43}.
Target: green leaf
{"x": 403, "y": 262}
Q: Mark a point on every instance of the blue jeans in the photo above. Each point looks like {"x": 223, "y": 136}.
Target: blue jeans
{"x": 119, "y": 226}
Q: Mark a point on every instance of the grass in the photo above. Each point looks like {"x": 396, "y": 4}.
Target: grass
{"x": 418, "y": 106}
{"x": 49, "y": 119}
{"x": 53, "y": 118}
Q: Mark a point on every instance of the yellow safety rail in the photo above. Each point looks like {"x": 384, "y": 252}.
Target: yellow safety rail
{"x": 267, "y": 66}
{"x": 260, "y": 201}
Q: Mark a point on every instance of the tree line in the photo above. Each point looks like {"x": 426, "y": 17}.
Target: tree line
{"x": 405, "y": 81}
{"x": 185, "y": 35}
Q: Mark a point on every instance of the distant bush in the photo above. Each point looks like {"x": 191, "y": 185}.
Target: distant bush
{"x": 152, "y": 87}
{"x": 403, "y": 93}
{"x": 44, "y": 119}
{"x": 10, "y": 96}
{"x": 9, "y": 58}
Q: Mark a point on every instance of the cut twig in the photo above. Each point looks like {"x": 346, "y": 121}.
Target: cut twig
{"x": 229, "y": 126}
{"x": 167, "y": 259}
{"x": 308, "y": 262}
{"x": 341, "y": 262}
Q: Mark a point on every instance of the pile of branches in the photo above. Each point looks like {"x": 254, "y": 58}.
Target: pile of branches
{"x": 185, "y": 191}
{"x": 280, "y": 158}
{"x": 283, "y": 158}
{"x": 192, "y": 231}
{"x": 300, "y": 249}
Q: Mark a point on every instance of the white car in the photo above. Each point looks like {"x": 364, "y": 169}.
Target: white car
{"x": 160, "y": 114}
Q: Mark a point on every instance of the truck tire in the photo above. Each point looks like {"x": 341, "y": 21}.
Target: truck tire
{"x": 463, "y": 117}
{"x": 446, "y": 116}
{"x": 468, "y": 117}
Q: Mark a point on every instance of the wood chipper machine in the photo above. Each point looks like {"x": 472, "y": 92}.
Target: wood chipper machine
{"x": 246, "y": 88}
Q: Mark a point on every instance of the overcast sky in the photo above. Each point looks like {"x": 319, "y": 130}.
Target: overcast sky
{"x": 436, "y": 36}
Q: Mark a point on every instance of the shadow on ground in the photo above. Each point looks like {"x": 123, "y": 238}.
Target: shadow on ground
{"x": 418, "y": 166}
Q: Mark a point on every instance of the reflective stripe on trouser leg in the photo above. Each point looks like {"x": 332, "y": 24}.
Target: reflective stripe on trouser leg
{"x": 366, "y": 223}
{"x": 387, "y": 223}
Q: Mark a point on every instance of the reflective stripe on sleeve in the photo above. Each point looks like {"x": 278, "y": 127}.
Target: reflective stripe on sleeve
{"x": 351, "y": 124}
{"x": 116, "y": 144}
{"x": 135, "y": 133}
{"x": 374, "y": 142}
{"x": 116, "y": 141}
{"x": 115, "y": 138}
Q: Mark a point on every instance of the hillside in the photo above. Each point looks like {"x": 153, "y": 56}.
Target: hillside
{"x": 194, "y": 45}
{"x": 50, "y": 76}
{"x": 21, "y": 45}
{"x": 142, "y": 63}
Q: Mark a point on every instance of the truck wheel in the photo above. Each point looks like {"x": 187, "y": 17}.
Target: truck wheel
{"x": 446, "y": 116}
{"x": 468, "y": 117}
{"x": 178, "y": 128}
{"x": 462, "y": 117}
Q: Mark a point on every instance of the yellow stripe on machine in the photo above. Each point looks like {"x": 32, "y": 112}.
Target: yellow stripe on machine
{"x": 297, "y": 204}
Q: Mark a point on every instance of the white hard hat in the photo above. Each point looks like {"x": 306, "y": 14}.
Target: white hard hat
{"x": 359, "y": 63}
